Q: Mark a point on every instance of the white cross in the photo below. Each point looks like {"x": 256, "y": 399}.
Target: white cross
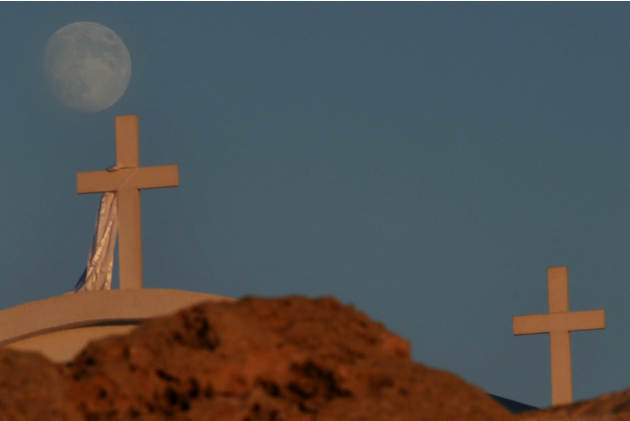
{"x": 126, "y": 180}
{"x": 559, "y": 323}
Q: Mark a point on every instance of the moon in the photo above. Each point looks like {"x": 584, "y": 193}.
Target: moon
{"x": 87, "y": 66}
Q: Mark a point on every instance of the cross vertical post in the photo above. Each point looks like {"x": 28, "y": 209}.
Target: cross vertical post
{"x": 129, "y": 213}
{"x": 559, "y": 341}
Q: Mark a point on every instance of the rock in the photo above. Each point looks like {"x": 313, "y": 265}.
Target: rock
{"x": 255, "y": 359}
{"x": 32, "y": 388}
{"x": 609, "y": 407}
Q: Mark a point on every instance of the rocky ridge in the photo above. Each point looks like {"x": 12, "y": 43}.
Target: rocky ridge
{"x": 257, "y": 359}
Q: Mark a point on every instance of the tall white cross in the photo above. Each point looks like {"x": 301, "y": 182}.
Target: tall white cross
{"x": 559, "y": 323}
{"x": 126, "y": 180}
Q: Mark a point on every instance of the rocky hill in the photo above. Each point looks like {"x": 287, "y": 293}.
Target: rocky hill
{"x": 610, "y": 407}
{"x": 285, "y": 359}
{"x": 255, "y": 359}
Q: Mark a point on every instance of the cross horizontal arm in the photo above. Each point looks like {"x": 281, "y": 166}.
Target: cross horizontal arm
{"x": 158, "y": 176}
{"x": 551, "y": 322}
{"x": 140, "y": 178}
{"x": 100, "y": 181}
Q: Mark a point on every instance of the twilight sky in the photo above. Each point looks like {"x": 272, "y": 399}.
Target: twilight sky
{"x": 425, "y": 162}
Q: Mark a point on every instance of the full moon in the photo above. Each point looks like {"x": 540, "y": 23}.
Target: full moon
{"x": 87, "y": 66}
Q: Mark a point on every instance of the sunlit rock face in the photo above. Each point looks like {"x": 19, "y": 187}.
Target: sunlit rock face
{"x": 253, "y": 359}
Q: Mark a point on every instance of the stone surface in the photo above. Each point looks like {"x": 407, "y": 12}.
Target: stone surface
{"x": 33, "y": 388}
{"x": 292, "y": 359}
{"x": 609, "y": 407}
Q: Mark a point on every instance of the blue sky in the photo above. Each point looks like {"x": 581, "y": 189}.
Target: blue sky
{"x": 425, "y": 162}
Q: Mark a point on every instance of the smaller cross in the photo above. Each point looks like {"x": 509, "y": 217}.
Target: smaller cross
{"x": 559, "y": 323}
{"x": 125, "y": 180}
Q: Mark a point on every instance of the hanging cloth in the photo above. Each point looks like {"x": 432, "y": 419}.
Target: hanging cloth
{"x": 98, "y": 273}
